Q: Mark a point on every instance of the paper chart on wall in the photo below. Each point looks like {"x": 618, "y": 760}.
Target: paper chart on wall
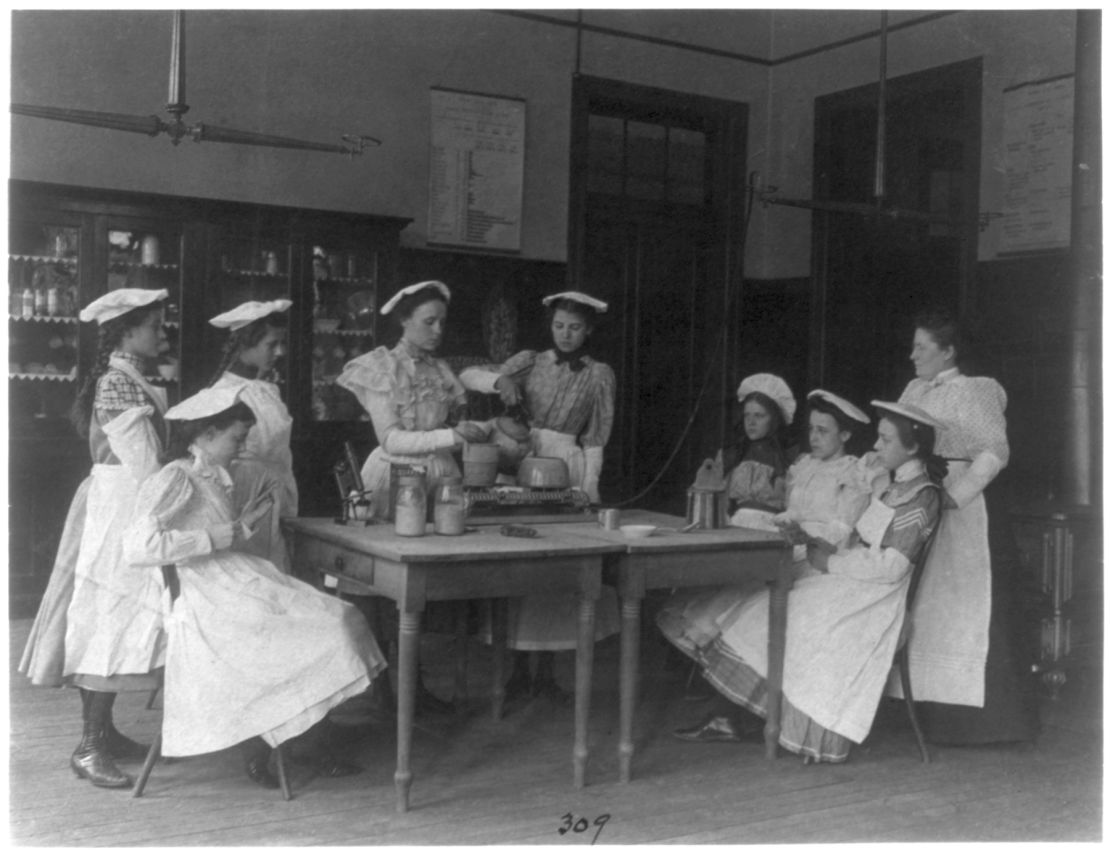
{"x": 1038, "y": 132}
{"x": 477, "y": 170}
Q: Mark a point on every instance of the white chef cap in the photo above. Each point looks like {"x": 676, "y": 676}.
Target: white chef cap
{"x": 116, "y": 303}
{"x": 413, "y": 288}
{"x": 912, "y": 412}
{"x": 849, "y": 411}
{"x": 205, "y": 403}
{"x": 773, "y": 387}
{"x": 580, "y": 298}
{"x": 248, "y": 312}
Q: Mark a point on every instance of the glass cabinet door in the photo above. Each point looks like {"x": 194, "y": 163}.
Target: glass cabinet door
{"x": 148, "y": 255}
{"x": 251, "y": 266}
{"x": 44, "y": 296}
{"x": 344, "y": 311}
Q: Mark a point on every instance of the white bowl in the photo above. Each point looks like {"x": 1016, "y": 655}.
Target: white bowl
{"x": 638, "y": 531}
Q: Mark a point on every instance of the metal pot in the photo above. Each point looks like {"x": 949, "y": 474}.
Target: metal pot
{"x": 543, "y": 472}
{"x": 707, "y": 508}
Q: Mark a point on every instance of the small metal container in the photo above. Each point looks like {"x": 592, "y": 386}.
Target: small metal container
{"x": 707, "y": 509}
{"x": 610, "y": 519}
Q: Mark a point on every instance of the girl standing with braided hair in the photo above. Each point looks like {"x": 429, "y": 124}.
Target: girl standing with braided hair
{"x": 99, "y": 626}
{"x": 256, "y": 342}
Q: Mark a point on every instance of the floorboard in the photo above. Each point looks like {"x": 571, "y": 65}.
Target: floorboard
{"x": 481, "y": 782}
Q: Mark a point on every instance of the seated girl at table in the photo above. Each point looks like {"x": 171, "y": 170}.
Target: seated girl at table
{"x": 755, "y": 467}
{"x": 843, "y": 621}
{"x": 254, "y": 656}
{"x": 827, "y": 491}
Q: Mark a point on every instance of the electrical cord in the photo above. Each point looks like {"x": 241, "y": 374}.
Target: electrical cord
{"x": 716, "y": 352}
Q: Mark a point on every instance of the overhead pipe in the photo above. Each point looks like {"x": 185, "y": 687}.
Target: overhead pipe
{"x": 1080, "y": 480}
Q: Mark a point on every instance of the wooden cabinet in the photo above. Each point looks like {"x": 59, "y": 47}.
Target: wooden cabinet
{"x": 69, "y": 245}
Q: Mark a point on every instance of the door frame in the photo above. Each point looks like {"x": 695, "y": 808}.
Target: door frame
{"x": 726, "y": 178}
{"x": 968, "y": 75}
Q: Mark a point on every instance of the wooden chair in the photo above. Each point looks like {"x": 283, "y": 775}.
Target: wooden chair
{"x": 901, "y": 655}
{"x": 173, "y": 584}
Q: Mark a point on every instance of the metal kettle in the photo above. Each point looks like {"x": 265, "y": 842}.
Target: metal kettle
{"x": 707, "y": 508}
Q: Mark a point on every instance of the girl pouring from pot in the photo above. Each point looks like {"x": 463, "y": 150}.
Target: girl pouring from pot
{"x": 570, "y": 397}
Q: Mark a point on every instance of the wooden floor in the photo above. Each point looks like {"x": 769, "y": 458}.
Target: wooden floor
{"x": 480, "y": 782}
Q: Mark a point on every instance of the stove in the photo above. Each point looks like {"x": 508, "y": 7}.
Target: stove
{"x": 501, "y": 504}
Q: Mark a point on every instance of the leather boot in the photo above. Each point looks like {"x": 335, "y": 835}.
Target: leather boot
{"x": 256, "y": 762}
{"x": 121, "y": 747}
{"x": 91, "y": 760}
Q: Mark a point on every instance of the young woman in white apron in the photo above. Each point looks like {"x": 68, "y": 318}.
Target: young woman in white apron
{"x": 254, "y": 345}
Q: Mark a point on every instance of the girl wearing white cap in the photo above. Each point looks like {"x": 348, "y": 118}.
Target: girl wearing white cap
{"x": 254, "y": 656}
{"x": 756, "y": 465}
{"x": 844, "y": 620}
{"x": 99, "y": 627}
{"x": 256, "y": 342}
{"x": 827, "y": 491}
{"x": 569, "y": 397}
{"x": 410, "y": 395}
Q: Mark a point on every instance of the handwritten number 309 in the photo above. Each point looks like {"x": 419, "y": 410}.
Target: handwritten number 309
{"x": 582, "y": 824}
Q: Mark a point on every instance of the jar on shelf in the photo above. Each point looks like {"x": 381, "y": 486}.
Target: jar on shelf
{"x": 450, "y": 507}
{"x": 410, "y": 515}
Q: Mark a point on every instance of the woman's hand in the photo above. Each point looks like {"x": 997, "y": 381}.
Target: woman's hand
{"x": 817, "y": 558}
{"x": 470, "y": 431}
{"x": 508, "y": 389}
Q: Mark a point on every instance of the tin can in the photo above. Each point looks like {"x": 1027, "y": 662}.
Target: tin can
{"x": 610, "y": 519}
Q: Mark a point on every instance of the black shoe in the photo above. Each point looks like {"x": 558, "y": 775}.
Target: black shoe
{"x": 258, "y": 771}
{"x": 92, "y": 761}
{"x": 122, "y": 748}
{"x": 715, "y": 730}
{"x": 547, "y": 689}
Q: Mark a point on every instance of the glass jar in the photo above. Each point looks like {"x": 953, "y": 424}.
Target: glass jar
{"x": 411, "y": 512}
{"x": 450, "y": 508}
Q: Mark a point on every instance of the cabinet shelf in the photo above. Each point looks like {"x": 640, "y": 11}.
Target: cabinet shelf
{"x": 272, "y": 276}
{"x": 44, "y": 259}
{"x": 136, "y": 265}
{"x": 44, "y": 377}
{"x": 38, "y": 318}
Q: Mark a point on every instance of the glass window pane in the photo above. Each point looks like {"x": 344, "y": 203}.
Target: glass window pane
{"x": 686, "y": 166}
{"x": 647, "y": 160}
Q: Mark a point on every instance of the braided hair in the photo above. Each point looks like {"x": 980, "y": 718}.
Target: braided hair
{"x": 111, "y": 335}
{"x": 243, "y": 339}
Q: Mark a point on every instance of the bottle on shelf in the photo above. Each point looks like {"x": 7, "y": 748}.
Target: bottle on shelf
{"x": 27, "y": 306}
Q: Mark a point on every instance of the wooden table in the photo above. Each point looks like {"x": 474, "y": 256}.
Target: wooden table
{"x": 670, "y": 559}
{"x": 480, "y": 564}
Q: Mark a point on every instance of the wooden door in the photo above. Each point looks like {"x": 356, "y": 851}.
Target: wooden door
{"x": 872, "y": 274}
{"x": 656, "y": 191}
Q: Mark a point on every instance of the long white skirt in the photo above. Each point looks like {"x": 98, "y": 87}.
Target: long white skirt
{"x": 254, "y": 652}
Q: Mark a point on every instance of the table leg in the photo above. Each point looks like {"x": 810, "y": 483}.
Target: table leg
{"x": 630, "y": 680}
{"x": 776, "y": 651}
{"x": 499, "y": 626}
{"x": 583, "y": 679}
{"x": 408, "y": 644}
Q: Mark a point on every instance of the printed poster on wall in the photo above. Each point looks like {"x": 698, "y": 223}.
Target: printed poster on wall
{"x": 476, "y": 186}
{"x": 1037, "y": 139}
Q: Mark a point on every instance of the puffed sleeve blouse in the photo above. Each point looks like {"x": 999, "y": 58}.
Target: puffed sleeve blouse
{"x": 575, "y": 402}
{"x": 972, "y": 409}
{"x": 408, "y": 395}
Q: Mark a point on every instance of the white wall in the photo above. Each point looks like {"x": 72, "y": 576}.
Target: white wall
{"x": 316, "y": 75}
{"x": 319, "y": 74}
{"x": 1016, "y": 47}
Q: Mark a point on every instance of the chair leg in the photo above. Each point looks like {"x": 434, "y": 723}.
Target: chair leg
{"x": 907, "y": 692}
{"x": 283, "y": 778}
{"x": 148, "y": 764}
{"x": 150, "y": 699}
